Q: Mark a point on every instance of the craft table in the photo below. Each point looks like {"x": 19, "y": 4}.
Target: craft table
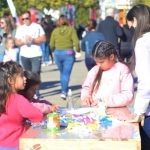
{"x": 123, "y": 136}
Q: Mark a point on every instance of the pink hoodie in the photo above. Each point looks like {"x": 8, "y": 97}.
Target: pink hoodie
{"x": 116, "y": 85}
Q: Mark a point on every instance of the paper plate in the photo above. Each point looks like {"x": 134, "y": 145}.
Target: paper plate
{"x": 81, "y": 111}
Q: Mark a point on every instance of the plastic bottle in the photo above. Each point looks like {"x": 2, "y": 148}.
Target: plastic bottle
{"x": 69, "y": 100}
{"x": 102, "y": 107}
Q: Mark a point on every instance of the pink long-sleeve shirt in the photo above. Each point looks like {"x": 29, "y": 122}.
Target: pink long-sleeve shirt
{"x": 116, "y": 86}
{"x": 11, "y": 123}
{"x": 44, "y": 108}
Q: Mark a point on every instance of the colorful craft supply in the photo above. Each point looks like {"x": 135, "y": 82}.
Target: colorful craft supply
{"x": 53, "y": 124}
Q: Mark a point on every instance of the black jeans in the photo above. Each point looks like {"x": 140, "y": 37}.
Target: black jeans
{"x": 145, "y": 134}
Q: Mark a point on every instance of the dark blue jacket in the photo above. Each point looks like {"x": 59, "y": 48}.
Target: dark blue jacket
{"x": 89, "y": 40}
{"x": 111, "y": 30}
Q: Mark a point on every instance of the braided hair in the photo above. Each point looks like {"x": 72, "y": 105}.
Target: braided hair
{"x": 102, "y": 50}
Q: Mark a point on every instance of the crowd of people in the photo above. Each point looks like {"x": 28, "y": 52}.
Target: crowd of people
{"x": 110, "y": 58}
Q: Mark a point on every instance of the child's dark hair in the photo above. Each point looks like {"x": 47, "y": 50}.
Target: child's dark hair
{"x": 8, "y": 71}
{"x": 31, "y": 80}
{"x": 102, "y": 49}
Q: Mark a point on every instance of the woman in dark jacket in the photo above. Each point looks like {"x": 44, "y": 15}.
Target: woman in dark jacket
{"x": 125, "y": 43}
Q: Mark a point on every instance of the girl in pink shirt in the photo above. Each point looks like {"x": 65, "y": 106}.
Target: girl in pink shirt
{"x": 109, "y": 80}
{"x": 14, "y": 108}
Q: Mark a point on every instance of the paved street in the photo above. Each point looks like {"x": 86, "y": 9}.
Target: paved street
{"x": 50, "y": 87}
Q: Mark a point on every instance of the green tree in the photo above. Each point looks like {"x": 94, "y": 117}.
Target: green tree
{"x": 3, "y": 7}
{"x": 147, "y": 2}
{"x": 82, "y": 6}
{"x": 25, "y": 4}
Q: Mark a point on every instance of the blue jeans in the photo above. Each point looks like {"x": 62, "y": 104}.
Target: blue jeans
{"x": 1, "y": 58}
{"x": 32, "y": 64}
{"x": 45, "y": 52}
{"x": 64, "y": 60}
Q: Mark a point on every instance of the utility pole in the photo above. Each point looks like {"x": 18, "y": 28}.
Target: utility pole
{"x": 13, "y": 10}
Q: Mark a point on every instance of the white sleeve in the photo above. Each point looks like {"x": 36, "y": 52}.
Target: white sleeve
{"x": 142, "y": 68}
{"x": 41, "y": 30}
{"x": 19, "y": 33}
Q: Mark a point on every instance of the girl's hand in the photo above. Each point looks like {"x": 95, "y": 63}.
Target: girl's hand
{"x": 54, "y": 108}
{"x": 137, "y": 119}
{"x": 86, "y": 102}
{"x": 94, "y": 102}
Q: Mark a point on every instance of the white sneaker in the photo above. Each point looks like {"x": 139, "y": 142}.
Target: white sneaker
{"x": 50, "y": 62}
{"x": 63, "y": 96}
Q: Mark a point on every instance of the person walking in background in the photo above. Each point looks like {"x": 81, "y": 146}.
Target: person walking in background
{"x": 28, "y": 37}
{"x": 88, "y": 42}
{"x": 139, "y": 17}
{"x": 6, "y": 31}
{"x": 110, "y": 80}
{"x": 64, "y": 42}
{"x": 125, "y": 51}
{"x": 80, "y": 29}
{"x": 46, "y": 51}
{"x": 14, "y": 108}
{"x": 110, "y": 28}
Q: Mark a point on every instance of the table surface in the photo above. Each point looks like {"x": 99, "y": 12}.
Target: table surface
{"x": 119, "y": 131}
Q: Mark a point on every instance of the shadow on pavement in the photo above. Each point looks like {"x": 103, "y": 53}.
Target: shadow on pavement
{"x": 50, "y": 93}
{"x": 50, "y": 70}
{"x": 75, "y": 87}
{"x": 50, "y": 84}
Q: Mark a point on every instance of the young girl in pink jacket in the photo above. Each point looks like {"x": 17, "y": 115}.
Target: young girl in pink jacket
{"x": 110, "y": 80}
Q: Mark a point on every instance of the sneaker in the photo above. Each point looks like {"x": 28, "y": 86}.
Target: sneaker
{"x": 48, "y": 63}
{"x": 63, "y": 96}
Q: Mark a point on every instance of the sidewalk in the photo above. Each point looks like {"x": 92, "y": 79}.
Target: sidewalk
{"x": 50, "y": 87}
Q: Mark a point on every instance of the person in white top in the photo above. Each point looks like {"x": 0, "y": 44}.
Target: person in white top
{"x": 11, "y": 53}
{"x": 28, "y": 37}
{"x": 139, "y": 17}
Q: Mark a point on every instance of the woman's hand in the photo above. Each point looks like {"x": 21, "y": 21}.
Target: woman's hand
{"x": 137, "y": 119}
{"x": 77, "y": 55}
